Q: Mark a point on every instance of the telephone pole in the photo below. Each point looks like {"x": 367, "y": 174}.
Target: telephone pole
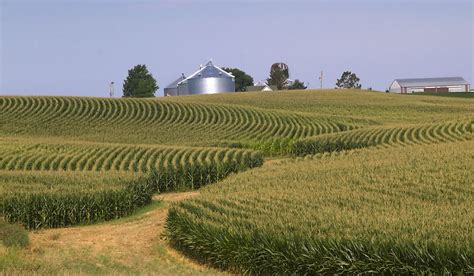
{"x": 111, "y": 89}
{"x": 321, "y": 79}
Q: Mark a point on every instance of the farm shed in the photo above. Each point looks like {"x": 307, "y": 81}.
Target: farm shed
{"x": 209, "y": 79}
{"x": 261, "y": 86}
{"x": 431, "y": 85}
{"x": 254, "y": 88}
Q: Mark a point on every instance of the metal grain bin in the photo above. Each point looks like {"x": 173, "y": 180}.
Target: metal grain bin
{"x": 183, "y": 88}
{"x": 210, "y": 79}
{"x": 172, "y": 88}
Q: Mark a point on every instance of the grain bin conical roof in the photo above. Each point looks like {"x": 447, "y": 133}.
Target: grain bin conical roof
{"x": 210, "y": 71}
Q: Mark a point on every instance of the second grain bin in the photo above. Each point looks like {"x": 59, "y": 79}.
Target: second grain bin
{"x": 172, "y": 88}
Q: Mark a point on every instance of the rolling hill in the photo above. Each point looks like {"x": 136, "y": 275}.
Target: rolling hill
{"x": 305, "y": 182}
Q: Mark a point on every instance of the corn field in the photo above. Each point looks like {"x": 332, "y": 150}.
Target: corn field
{"x": 65, "y": 199}
{"x": 28, "y": 155}
{"x": 357, "y": 182}
{"x": 385, "y": 137}
{"x": 384, "y": 210}
{"x": 156, "y": 122}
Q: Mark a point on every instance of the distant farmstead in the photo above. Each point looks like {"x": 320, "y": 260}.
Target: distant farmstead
{"x": 261, "y": 86}
{"x": 430, "y": 85}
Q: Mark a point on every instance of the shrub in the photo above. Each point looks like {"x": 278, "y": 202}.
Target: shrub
{"x": 13, "y": 235}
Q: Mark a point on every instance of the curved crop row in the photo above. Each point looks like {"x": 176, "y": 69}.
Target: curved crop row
{"x": 81, "y": 116}
{"x": 385, "y": 137}
{"x": 61, "y": 199}
{"x": 351, "y": 214}
{"x": 109, "y": 157}
{"x": 36, "y": 200}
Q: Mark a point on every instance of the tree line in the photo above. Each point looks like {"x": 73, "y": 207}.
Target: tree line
{"x": 141, "y": 83}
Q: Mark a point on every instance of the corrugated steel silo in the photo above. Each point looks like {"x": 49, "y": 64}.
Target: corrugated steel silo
{"x": 183, "y": 88}
{"x": 209, "y": 79}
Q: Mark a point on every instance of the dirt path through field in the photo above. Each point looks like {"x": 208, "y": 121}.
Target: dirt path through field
{"x": 127, "y": 243}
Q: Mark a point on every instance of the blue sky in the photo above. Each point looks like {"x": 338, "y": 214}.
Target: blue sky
{"x": 79, "y": 47}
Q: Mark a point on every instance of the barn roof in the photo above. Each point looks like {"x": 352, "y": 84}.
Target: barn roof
{"x": 431, "y": 81}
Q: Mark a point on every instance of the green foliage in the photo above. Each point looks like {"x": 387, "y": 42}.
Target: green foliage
{"x": 297, "y": 85}
{"x": 139, "y": 83}
{"x": 13, "y": 235}
{"x": 348, "y": 80}
{"x": 279, "y": 74}
{"x": 313, "y": 146}
{"x": 272, "y": 147}
{"x": 447, "y": 94}
{"x": 353, "y": 213}
{"x": 242, "y": 80}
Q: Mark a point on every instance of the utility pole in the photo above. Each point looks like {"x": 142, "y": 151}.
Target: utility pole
{"x": 111, "y": 89}
{"x": 321, "y": 79}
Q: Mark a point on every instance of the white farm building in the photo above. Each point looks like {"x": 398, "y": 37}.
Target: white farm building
{"x": 430, "y": 85}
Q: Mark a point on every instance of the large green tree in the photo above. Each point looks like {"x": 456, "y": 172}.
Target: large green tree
{"x": 297, "y": 85}
{"x": 279, "y": 74}
{"x": 348, "y": 80}
{"x": 139, "y": 83}
{"x": 242, "y": 79}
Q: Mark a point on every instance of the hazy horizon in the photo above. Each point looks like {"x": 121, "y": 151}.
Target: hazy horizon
{"x": 77, "y": 48}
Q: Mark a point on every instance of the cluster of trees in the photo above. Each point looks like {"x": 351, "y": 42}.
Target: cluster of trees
{"x": 279, "y": 74}
{"x": 242, "y": 79}
{"x": 348, "y": 80}
{"x": 141, "y": 83}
